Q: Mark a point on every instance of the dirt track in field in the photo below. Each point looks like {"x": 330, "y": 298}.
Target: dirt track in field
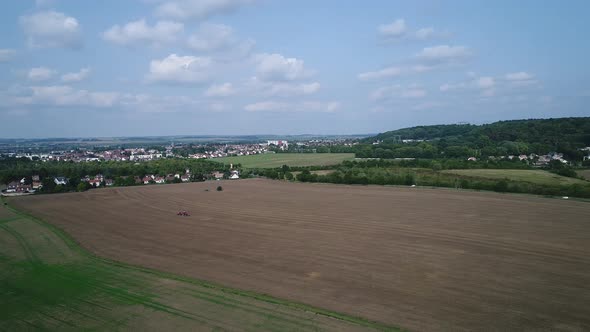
{"x": 422, "y": 259}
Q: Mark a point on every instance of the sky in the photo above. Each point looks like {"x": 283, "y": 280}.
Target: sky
{"x": 106, "y": 68}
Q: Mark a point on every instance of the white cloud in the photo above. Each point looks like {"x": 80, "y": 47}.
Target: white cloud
{"x": 77, "y": 76}
{"x": 39, "y": 74}
{"x": 281, "y": 89}
{"x": 379, "y": 74}
{"x": 51, "y": 29}
{"x": 147, "y": 103}
{"x": 425, "y": 33}
{"x": 390, "y": 72}
{"x": 444, "y": 54}
{"x": 397, "y": 91}
{"x": 305, "y": 106}
{"x": 198, "y": 9}
{"x": 211, "y": 37}
{"x": 485, "y": 82}
{"x": 135, "y": 32}
{"x": 219, "y": 38}
{"x": 396, "y": 29}
{"x": 519, "y": 76}
{"x": 180, "y": 69}
{"x": 275, "y": 67}
{"x": 520, "y": 79}
{"x": 220, "y": 90}
{"x": 63, "y": 95}
{"x": 6, "y": 54}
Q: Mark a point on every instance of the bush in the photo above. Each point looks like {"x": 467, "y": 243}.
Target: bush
{"x": 219, "y": 188}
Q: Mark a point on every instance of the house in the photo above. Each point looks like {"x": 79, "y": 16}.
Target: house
{"x": 146, "y": 179}
{"x": 471, "y": 159}
{"x": 217, "y": 175}
{"x": 37, "y": 184}
{"x": 109, "y": 182}
{"x": 11, "y": 188}
{"x": 234, "y": 175}
{"x": 170, "y": 177}
{"x": 36, "y": 178}
{"x": 24, "y": 188}
{"x": 94, "y": 182}
{"x": 523, "y": 157}
{"x": 160, "y": 180}
{"x": 185, "y": 178}
{"x": 60, "y": 180}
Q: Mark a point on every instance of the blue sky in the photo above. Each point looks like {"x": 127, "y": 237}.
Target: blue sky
{"x": 193, "y": 67}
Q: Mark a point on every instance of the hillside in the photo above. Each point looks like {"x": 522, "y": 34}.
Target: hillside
{"x": 545, "y": 131}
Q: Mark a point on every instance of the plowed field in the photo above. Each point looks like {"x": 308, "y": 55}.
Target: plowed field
{"x": 422, "y": 259}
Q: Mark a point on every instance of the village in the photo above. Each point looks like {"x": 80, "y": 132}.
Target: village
{"x": 138, "y": 154}
{"x": 35, "y": 183}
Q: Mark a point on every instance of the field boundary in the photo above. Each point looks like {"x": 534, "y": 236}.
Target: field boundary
{"x": 78, "y": 247}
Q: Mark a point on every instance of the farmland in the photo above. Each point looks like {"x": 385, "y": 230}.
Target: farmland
{"x": 272, "y": 160}
{"x": 534, "y": 176}
{"x": 467, "y": 262}
{"x": 48, "y": 282}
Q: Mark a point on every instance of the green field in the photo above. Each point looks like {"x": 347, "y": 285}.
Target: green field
{"x": 48, "y": 282}
{"x": 271, "y": 160}
{"x": 533, "y": 176}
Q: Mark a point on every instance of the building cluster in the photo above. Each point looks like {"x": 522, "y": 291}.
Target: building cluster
{"x": 143, "y": 154}
{"x": 534, "y": 159}
{"x": 226, "y": 150}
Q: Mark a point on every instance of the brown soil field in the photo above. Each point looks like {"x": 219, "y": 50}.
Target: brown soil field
{"x": 421, "y": 259}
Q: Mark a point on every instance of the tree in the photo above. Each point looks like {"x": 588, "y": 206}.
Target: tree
{"x": 289, "y": 176}
{"x": 82, "y": 186}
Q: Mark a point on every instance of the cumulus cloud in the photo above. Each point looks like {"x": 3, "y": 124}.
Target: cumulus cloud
{"x": 136, "y": 32}
{"x": 396, "y": 91}
{"x": 198, "y": 9}
{"x": 51, "y": 29}
{"x": 63, "y": 95}
{"x": 389, "y": 72}
{"x": 396, "y": 29}
{"x": 485, "y": 82}
{"x": 275, "y": 67}
{"x": 281, "y": 89}
{"x": 305, "y": 106}
{"x": 219, "y": 38}
{"x": 220, "y": 90}
{"x": 520, "y": 79}
{"x": 39, "y": 74}
{"x": 519, "y": 76}
{"x": 444, "y": 54}
{"x": 77, "y": 76}
{"x": 379, "y": 74}
{"x": 180, "y": 69}
{"x": 6, "y": 54}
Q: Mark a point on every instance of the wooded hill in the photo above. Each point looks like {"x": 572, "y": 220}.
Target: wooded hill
{"x": 574, "y": 131}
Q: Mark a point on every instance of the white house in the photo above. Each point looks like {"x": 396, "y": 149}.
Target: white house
{"x": 60, "y": 180}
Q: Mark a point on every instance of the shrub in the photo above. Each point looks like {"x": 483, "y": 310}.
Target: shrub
{"x": 219, "y": 188}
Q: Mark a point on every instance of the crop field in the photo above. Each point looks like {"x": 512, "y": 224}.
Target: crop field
{"x": 421, "y": 259}
{"x": 271, "y": 160}
{"x": 47, "y": 282}
{"x": 533, "y": 176}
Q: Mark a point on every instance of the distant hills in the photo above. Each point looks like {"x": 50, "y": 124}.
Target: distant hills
{"x": 567, "y": 131}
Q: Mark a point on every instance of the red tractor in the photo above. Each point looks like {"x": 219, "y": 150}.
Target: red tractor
{"x": 183, "y": 213}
